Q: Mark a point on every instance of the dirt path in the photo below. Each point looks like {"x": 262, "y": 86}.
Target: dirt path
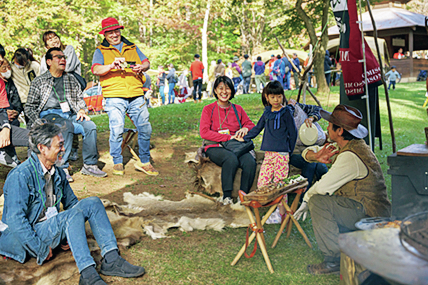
{"x": 174, "y": 180}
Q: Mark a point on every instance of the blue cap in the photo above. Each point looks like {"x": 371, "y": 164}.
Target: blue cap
{"x": 197, "y": 56}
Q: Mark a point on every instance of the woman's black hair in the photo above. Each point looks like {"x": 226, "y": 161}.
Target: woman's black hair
{"x": 275, "y": 88}
{"x": 30, "y": 55}
{"x": 21, "y": 56}
{"x": 228, "y": 82}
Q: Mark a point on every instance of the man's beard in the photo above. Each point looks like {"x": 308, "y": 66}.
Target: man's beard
{"x": 60, "y": 159}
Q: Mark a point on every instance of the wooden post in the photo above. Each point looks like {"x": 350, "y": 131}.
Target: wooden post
{"x": 391, "y": 127}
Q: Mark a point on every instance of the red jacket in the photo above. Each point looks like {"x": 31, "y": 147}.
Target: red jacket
{"x": 210, "y": 123}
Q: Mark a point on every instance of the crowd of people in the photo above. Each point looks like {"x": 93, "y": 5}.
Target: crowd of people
{"x": 50, "y": 95}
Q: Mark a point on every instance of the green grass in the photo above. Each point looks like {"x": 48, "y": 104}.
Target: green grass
{"x": 204, "y": 257}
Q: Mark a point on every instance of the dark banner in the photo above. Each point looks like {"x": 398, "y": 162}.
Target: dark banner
{"x": 351, "y": 51}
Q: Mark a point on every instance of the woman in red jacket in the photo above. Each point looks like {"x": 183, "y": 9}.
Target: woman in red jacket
{"x": 219, "y": 123}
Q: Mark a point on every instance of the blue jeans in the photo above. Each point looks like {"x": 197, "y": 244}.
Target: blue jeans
{"x": 308, "y": 169}
{"x": 287, "y": 80}
{"x": 391, "y": 83}
{"x": 70, "y": 224}
{"x": 171, "y": 94}
{"x": 247, "y": 81}
{"x": 89, "y": 142}
{"x": 328, "y": 78}
{"x": 197, "y": 84}
{"x": 136, "y": 108}
{"x": 236, "y": 81}
{"x": 162, "y": 93}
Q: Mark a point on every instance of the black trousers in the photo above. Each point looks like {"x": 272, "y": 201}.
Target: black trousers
{"x": 197, "y": 84}
{"x": 229, "y": 164}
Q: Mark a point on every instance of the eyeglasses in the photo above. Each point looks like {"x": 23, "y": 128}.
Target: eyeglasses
{"x": 58, "y": 56}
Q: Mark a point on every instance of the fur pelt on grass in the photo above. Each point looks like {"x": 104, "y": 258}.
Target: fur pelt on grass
{"x": 144, "y": 214}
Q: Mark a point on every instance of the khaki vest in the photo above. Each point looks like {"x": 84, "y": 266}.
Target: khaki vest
{"x": 121, "y": 83}
{"x": 370, "y": 190}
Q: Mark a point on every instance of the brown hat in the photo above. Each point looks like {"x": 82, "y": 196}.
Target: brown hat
{"x": 109, "y": 24}
{"x": 348, "y": 118}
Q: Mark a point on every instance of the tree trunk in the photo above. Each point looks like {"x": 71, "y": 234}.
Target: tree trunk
{"x": 151, "y": 24}
{"x": 319, "y": 51}
{"x": 204, "y": 43}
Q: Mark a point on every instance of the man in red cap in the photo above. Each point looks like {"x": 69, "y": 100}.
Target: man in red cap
{"x": 353, "y": 188}
{"x": 120, "y": 65}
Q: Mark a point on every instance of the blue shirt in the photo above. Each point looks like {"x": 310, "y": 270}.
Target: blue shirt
{"x": 280, "y": 133}
{"x": 279, "y": 68}
{"x": 259, "y": 67}
{"x": 296, "y": 62}
{"x": 393, "y": 75}
{"x": 24, "y": 195}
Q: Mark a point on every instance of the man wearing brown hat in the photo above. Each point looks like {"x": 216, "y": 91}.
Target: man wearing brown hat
{"x": 120, "y": 65}
{"x": 353, "y": 188}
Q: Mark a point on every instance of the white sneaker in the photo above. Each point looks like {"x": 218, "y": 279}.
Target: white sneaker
{"x": 227, "y": 201}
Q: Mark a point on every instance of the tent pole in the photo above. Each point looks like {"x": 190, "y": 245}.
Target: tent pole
{"x": 365, "y": 80}
{"x": 391, "y": 127}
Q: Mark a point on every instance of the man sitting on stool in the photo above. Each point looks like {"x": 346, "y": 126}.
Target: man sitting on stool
{"x": 32, "y": 195}
{"x": 354, "y": 187}
{"x": 56, "y": 93}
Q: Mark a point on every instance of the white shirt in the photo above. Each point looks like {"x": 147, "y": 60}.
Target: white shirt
{"x": 347, "y": 167}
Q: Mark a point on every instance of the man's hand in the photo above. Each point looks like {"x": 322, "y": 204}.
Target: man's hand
{"x": 81, "y": 115}
{"x": 292, "y": 102}
{"x": 303, "y": 210}
{"x": 309, "y": 121}
{"x": 12, "y": 114}
{"x": 141, "y": 67}
{"x": 325, "y": 154}
{"x": 116, "y": 64}
{"x": 50, "y": 254}
{"x": 4, "y": 137}
{"x": 241, "y": 133}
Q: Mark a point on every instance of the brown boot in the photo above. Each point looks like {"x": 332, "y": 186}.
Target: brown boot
{"x": 118, "y": 169}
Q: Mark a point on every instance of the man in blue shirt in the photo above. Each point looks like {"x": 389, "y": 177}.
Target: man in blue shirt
{"x": 287, "y": 73}
{"x": 259, "y": 70}
{"x": 278, "y": 70}
{"x": 35, "y": 224}
{"x": 296, "y": 63}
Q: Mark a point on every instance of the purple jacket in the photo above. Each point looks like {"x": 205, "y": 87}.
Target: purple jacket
{"x": 234, "y": 64}
{"x": 259, "y": 67}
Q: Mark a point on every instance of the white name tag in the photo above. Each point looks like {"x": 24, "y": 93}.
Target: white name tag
{"x": 224, "y": 132}
{"x": 64, "y": 107}
{"x": 51, "y": 212}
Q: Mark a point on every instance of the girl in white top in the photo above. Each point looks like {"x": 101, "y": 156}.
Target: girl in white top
{"x": 24, "y": 69}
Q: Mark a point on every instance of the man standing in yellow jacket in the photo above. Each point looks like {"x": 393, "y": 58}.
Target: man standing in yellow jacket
{"x": 120, "y": 65}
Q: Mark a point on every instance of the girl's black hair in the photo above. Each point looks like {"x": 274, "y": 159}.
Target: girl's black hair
{"x": 228, "y": 82}
{"x": 275, "y": 88}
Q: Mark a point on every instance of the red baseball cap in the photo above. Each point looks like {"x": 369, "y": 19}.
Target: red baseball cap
{"x": 109, "y": 24}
